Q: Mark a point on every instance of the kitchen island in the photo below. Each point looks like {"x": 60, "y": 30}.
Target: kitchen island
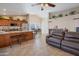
{"x": 14, "y": 37}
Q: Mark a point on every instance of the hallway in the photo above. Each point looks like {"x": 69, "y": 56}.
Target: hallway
{"x": 35, "y": 47}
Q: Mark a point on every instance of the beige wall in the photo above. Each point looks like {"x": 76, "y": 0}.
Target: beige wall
{"x": 67, "y": 21}
{"x": 66, "y": 11}
{"x": 42, "y": 22}
{"x": 34, "y": 19}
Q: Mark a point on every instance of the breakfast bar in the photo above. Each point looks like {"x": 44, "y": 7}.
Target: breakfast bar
{"x": 14, "y": 37}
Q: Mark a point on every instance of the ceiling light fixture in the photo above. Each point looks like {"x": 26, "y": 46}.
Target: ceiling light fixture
{"x": 4, "y": 9}
{"x": 45, "y": 5}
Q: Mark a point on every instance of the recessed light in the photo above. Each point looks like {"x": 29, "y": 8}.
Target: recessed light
{"x": 4, "y": 9}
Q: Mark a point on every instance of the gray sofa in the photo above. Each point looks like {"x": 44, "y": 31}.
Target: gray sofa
{"x": 71, "y": 42}
{"x": 55, "y": 37}
{"x": 67, "y": 41}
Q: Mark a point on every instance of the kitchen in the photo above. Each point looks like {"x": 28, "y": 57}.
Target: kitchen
{"x": 14, "y": 30}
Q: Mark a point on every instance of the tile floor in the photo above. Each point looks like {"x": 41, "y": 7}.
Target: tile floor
{"x": 35, "y": 47}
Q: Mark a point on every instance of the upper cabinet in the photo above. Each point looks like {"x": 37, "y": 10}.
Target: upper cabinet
{"x": 12, "y": 21}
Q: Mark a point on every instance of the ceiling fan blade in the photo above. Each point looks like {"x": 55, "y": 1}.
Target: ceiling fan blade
{"x": 51, "y": 5}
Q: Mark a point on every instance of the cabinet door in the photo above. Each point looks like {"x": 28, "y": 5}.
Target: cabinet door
{"x": 2, "y": 41}
{"x": 29, "y": 35}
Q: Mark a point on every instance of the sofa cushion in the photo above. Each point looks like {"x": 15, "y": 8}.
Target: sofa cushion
{"x": 54, "y": 44}
{"x": 71, "y": 39}
{"x": 69, "y": 44}
{"x": 74, "y": 35}
{"x": 54, "y": 39}
{"x": 58, "y": 37}
{"x": 57, "y": 33}
{"x": 51, "y": 31}
{"x": 70, "y": 50}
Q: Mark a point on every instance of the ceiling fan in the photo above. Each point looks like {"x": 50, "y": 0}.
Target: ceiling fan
{"x": 44, "y": 5}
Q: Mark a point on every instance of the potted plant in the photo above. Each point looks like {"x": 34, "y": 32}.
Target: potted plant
{"x": 66, "y": 14}
{"x": 11, "y": 18}
{"x": 54, "y": 16}
{"x": 72, "y": 12}
{"x": 60, "y": 15}
{"x": 1, "y": 17}
{"x": 18, "y": 19}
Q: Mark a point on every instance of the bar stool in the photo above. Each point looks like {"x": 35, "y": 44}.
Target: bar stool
{"x": 23, "y": 37}
{"x": 13, "y": 38}
{"x": 19, "y": 39}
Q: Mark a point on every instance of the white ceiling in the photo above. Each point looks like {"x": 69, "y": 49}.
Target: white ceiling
{"x": 24, "y": 8}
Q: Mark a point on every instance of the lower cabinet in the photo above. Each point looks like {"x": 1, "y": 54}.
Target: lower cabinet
{"x": 14, "y": 38}
{"x": 4, "y": 41}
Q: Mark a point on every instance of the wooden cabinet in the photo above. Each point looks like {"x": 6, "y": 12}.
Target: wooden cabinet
{"x": 2, "y": 38}
{"x": 8, "y": 22}
{"x": 6, "y": 40}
